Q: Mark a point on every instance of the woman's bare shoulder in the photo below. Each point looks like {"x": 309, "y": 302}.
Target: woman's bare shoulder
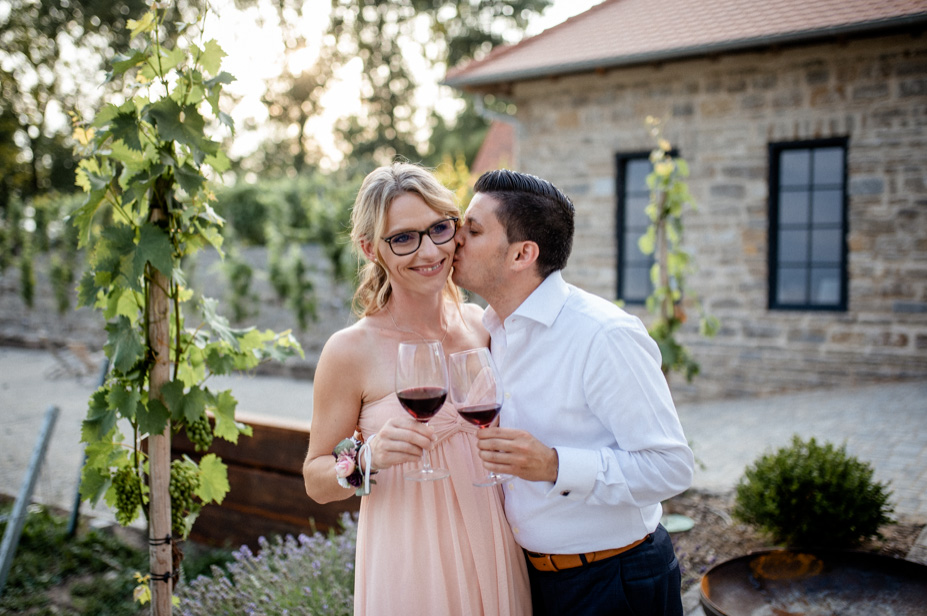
{"x": 348, "y": 346}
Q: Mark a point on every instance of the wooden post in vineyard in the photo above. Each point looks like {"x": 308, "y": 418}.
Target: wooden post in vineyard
{"x": 159, "y": 446}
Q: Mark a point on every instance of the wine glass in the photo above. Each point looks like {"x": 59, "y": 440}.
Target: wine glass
{"x": 421, "y": 386}
{"x": 476, "y": 391}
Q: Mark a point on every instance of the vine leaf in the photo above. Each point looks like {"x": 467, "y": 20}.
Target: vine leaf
{"x": 124, "y": 127}
{"x": 153, "y": 417}
{"x": 219, "y": 324}
{"x": 189, "y": 178}
{"x": 122, "y": 63}
{"x": 224, "y": 412}
{"x": 100, "y": 418}
{"x": 182, "y": 125}
{"x": 193, "y": 405}
{"x": 211, "y": 60}
{"x": 124, "y": 345}
{"x": 154, "y": 246}
{"x": 125, "y": 400}
{"x": 214, "y": 479}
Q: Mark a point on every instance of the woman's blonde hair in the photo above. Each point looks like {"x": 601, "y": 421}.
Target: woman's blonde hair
{"x": 381, "y": 187}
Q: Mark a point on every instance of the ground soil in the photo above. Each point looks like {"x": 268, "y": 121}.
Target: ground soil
{"x": 717, "y": 537}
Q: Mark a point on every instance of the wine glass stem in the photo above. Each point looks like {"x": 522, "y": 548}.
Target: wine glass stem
{"x": 426, "y": 460}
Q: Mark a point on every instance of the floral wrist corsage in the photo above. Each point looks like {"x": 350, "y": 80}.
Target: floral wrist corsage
{"x": 347, "y": 469}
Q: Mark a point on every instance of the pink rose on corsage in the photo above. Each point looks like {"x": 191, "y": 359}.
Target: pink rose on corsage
{"x": 346, "y": 470}
{"x": 344, "y": 466}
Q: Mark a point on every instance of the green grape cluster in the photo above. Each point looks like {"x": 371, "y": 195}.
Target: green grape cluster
{"x": 184, "y": 482}
{"x": 200, "y": 433}
{"x": 128, "y": 489}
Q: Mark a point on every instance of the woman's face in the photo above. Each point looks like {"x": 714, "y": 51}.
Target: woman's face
{"x": 426, "y": 269}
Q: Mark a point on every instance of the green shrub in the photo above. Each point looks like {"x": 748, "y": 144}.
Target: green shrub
{"x": 812, "y": 495}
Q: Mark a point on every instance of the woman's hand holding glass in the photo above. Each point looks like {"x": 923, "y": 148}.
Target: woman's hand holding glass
{"x": 421, "y": 386}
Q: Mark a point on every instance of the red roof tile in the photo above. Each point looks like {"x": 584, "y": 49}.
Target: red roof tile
{"x": 622, "y": 32}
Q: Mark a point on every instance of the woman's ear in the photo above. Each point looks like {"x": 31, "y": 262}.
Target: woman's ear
{"x": 368, "y": 250}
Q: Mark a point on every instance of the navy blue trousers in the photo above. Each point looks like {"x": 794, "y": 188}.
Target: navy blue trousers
{"x": 644, "y": 581}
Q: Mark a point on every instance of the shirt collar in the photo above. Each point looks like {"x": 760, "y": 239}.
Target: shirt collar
{"x": 543, "y": 305}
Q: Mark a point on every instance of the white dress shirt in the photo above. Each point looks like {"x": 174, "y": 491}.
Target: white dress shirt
{"x": 583, "y": 376}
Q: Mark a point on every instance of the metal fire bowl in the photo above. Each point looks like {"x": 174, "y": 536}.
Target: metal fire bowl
{"x": 813, "y": 583}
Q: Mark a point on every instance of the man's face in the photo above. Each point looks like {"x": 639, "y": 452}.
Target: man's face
{"x": 481, "y": 248}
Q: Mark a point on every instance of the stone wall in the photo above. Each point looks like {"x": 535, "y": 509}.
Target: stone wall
{"x": 43, "y": 326}
{"x": 722, "y": 113}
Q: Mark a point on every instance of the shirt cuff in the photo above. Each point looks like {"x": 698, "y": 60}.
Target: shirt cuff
{"x": 576, "y": 473}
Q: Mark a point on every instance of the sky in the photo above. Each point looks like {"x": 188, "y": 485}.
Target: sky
{"x": 254, "y": 55}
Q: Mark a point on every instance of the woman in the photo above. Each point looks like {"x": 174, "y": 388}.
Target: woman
{"x": 434, "y": 547}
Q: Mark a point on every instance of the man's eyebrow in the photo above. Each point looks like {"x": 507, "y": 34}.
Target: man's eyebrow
{"x": 473, "y": 221}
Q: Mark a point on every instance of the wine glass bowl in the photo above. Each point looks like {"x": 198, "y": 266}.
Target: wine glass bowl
{"x": 421, "y": 386}
{"x": 476, "y": 391}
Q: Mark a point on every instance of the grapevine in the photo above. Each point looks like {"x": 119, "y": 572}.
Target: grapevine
{"x": 185, "y": 481}
{"x": 200, "y": 433}
{"x": 145, "y": 166}
{"x": 128, "y": 492}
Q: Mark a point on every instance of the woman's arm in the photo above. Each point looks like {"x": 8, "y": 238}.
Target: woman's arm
{"x": 337, "y": 396}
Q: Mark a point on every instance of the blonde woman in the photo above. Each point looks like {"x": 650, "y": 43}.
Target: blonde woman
{"x": 431, "y": 547}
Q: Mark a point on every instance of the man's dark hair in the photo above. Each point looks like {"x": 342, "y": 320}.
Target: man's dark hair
{"x": 532, "y": 209}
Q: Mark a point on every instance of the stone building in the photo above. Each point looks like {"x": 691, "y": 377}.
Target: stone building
{"x": 805, "y": 128}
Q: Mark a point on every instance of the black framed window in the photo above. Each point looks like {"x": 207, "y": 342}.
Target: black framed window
{"x": 808, "y": 225}
{"x": 634, "y": 284}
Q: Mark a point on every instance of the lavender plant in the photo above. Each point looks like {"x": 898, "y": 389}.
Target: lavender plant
{"x": 289, "y": 576}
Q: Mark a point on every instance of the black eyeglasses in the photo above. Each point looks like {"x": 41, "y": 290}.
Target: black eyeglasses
{"x": 407, "y": 242}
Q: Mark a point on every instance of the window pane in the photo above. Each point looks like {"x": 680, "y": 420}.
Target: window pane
{"x": 826, "y": 246}
{"x": 828, "y": 207}
{"x": 793, "y": 246}
{"x": 794, "y": 168}
{"x": 825, "y": 286}
{"x": 636, "y": 172}
{"x": 791, "y": 286}
{"x": 631, "y": 252}
{"x": 828, "y": 166}
{"x": 636, "y": 284}
{"x": 793, "y": 208}
{"x": 634, "y": 215}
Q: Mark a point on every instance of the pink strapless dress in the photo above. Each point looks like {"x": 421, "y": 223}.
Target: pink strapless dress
{"x": 436, "y": 547}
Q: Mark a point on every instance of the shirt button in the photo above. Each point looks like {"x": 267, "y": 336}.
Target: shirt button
{"x": 511, "y": 486}
{"x": 508, "y": 395}
{"x": 565, "y": 493}
{"x": 516, "y": 530}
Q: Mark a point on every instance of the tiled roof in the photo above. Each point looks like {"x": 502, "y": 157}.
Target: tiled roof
{"x": 623, "y": 32}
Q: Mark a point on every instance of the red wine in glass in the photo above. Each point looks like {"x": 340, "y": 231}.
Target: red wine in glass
{"x": 422, "y": 402}
{"x": 476, "y": 390}
{"x": 421, "y": 386}
{"x": 481, "y": 415}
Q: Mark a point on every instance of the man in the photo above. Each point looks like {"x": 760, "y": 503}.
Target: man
{"x": 588, "y": 427}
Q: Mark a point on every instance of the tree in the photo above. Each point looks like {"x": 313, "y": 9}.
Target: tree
{"x": 48, "y": 49}
{"x": 384, "y": 35}
{"x": 145, "y": 160}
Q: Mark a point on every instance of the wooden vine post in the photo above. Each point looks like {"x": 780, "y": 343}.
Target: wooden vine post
{"x": 146, "y": 164}
{"x": 159, "y": 445}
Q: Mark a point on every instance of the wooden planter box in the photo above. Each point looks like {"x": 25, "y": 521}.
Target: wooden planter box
{"x": 267, "y": 495}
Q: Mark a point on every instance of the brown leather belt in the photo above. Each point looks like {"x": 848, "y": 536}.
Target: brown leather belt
{"x": 558, "y": 562}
